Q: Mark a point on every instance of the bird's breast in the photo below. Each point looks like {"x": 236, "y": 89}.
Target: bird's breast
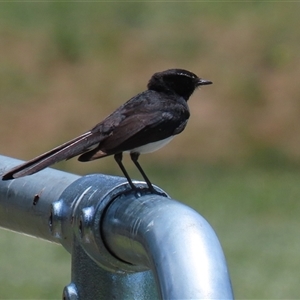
{"x": 151, "y": 147}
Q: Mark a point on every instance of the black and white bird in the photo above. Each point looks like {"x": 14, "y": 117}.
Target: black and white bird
{"x": 143, "y": 124}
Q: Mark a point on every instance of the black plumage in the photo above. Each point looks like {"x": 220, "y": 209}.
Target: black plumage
{"x": 142, "y": 124}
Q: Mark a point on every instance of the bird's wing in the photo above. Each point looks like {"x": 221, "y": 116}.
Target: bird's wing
{"x": 137, "y": 130}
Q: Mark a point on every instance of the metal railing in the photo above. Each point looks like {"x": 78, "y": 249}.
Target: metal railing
{"x": 124, "y": 244}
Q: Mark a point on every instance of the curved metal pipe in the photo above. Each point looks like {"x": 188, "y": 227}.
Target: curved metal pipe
{"x": 174, "y": 241}
{"x": 115, "y": 235}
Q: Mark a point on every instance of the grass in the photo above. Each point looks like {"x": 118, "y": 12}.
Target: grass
{"x": 254, "y": 212}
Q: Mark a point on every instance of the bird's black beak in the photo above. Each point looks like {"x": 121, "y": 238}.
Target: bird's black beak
{"x": 203, "y": 82}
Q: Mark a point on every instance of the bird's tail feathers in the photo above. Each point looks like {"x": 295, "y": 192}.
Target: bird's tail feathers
{"x": 65, "y": 151}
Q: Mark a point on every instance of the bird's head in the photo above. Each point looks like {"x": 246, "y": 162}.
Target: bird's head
{"x": 179, "y": 81}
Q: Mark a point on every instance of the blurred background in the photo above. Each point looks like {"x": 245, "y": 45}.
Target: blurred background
{"x": 66, "y": 66}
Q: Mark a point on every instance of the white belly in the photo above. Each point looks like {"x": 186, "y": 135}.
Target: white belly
{"x": 151, "y": 147}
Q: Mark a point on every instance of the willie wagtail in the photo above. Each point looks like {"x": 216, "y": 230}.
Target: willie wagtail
{"x": 143, "y": 124}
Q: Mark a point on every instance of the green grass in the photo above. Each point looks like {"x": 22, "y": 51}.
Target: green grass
{"x": 32, "y": 268}
{"x": 255, "y": 213}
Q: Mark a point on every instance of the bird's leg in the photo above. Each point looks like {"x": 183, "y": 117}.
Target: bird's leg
{"x": 134, "y": 157}
{"x": 118, "y": 158}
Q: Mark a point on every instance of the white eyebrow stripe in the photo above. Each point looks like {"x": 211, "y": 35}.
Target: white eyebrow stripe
{"x": 187, "y": 75}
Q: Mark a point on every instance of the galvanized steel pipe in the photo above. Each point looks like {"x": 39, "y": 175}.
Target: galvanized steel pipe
{"x": 116, "y": 235}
